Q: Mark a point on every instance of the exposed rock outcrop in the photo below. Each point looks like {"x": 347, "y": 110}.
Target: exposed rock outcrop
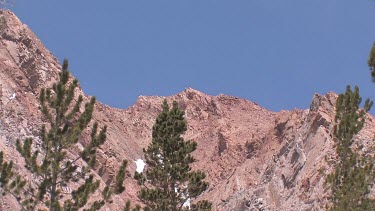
{"x": 254, "y": 159}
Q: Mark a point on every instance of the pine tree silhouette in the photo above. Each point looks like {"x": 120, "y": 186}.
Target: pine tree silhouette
{"x": 168, "y": 182}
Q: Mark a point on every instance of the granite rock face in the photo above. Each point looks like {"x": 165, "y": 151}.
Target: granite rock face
{"x": 255, "y": 159}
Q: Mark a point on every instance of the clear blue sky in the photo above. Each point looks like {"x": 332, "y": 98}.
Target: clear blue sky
{"x": 276, "y": 53}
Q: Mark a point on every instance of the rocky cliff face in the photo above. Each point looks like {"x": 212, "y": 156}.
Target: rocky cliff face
{"x": 254, "y": 159}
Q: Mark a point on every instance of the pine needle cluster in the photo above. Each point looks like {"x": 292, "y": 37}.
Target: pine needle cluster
{"x": 353, "y": 174}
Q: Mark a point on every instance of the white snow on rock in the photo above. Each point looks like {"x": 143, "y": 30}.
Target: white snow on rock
{"x": 140, "y": 165}
{"x": 187, "y": 203}
{"x": 13, "y": 96}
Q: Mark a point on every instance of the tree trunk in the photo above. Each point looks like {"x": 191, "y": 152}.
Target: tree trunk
{"x": 53, "y": 192}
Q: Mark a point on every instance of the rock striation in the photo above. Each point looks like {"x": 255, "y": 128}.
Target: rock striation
{"x": 255, "y": 159}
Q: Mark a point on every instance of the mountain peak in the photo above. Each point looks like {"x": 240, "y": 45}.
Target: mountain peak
{"x": 24, "y": 55}
{"x": 253, "y": 158}
{"x": 189, "y": 90}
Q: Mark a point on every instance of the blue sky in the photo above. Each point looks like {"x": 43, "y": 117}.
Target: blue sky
{"x": 275, "y": 53}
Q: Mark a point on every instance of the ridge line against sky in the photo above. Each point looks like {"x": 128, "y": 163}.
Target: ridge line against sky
{"x": 275, "y": 53}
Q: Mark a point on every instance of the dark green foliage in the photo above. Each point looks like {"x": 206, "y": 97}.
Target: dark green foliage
{"x": 65, "y": 124}
{"x": 168, "y": 181}
{"x": 128, "y": 207}
{"x": 10, "y": 182}
{"x": 353, "y": 175}
{"x": 202, "y": 206}
{"x": 371, "y": 62}
{"x": 120, "y": 177}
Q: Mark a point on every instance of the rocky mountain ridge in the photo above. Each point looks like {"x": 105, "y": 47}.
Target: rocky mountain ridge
{"x": 255, "y": 159}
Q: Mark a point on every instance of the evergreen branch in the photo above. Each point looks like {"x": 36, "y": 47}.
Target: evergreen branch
{"x": 76, "y": 176}
{"x": 18, "y": 200}
{"x": 75, "y": 108}
{"x": 72, "y": 163}
{"x": 15, "y": 193}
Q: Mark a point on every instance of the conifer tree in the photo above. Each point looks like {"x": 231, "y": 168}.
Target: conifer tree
{"x": 168, "y": 181}
{"x": 371, "y": 62}
{"x": 50, "y": 163}
{"x": 353, "y": 174}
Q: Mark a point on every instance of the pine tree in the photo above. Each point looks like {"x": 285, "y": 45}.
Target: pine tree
{"x": 168, "y": 182}
{"x": 50, "y": 163}
{"x": 353, "y": 175}
{"x": 371, "y": 62}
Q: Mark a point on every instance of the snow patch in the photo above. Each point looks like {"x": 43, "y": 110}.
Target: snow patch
{"x": 187, "y": 203}
{"x": 13, "y": 96}
{"x": 140, "y": 165}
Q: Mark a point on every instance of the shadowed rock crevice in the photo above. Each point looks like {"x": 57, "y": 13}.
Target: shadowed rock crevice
{"x": 222, "y": 143}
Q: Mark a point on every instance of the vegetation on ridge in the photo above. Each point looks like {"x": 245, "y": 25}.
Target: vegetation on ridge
{"x": 53, "y": 170}
{"x": 353, "y": 174}
{"x": 371, "y": 62}
{"x": 168, "y": 184}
